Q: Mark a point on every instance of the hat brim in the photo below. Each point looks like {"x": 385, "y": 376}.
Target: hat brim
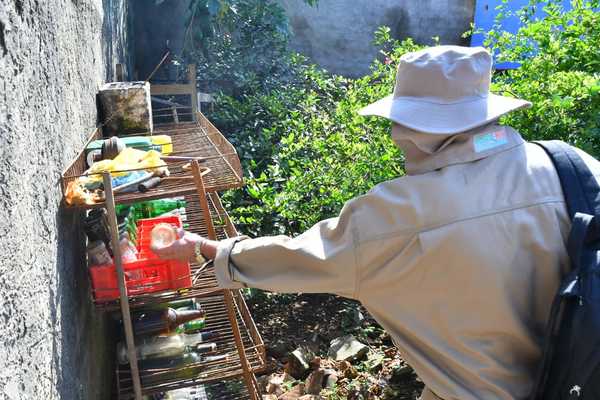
{"x": 443, "y": 119}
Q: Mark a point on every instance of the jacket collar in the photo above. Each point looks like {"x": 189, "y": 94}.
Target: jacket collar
{"x": 426, "y": 152}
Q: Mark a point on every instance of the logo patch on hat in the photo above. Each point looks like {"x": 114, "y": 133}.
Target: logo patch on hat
{"x": 487, "y": 141}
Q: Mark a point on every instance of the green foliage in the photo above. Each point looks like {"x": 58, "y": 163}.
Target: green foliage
{"x": 559, "y": 73}
{"x": 306, "y": 151}
{"x": 239, "y": 46}
{"x": 304, "y": 147}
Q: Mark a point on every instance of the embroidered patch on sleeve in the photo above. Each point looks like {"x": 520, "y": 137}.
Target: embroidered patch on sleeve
{"x": 490, "y": 140}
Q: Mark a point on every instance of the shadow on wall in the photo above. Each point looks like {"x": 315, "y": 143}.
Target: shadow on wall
{"x": 117, "y": 36}
{"x": 338, "y": 34}
{"x": 83, "y": 352}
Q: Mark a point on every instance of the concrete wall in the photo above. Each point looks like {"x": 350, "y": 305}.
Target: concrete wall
{"x": 337, "y": 34}
{"x": 54, "y": 55}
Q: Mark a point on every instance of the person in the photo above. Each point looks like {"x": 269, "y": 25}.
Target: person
{"x": 458, "y": 260}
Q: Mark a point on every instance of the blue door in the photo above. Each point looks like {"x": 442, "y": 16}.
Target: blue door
{"x": 485, "y": 15}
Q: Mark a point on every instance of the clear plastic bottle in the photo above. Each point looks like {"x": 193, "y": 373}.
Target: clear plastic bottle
{"x": 128, "y": 251}
{"x": 162, "y": 235}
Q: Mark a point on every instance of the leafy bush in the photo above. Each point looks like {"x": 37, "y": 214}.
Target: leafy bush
{"x": 304, "y": 147}
{"x": 239, "y": 46}
{"x": 559, "y": 73}
{"x": 306, "y": 151}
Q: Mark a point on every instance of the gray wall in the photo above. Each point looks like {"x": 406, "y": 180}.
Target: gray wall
{"x": 154, "y": 26}
{"x": 54, "y": 55}
{"x": 337, "y": 34}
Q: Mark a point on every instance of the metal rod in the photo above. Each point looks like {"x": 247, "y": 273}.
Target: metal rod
{"x": 158, "y": 66}
{"x": 203, "y": 200}
{"x": 114, "y": 241}
{"x": 239, "y": 344}
{"x": 249, "y": 378}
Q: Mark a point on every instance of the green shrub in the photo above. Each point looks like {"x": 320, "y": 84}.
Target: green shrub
{"x": 304, "y": 147}
{"x": 306, "y": 151}
{"x": 559, "y": 73}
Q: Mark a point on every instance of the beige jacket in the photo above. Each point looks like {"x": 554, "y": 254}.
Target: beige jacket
{"x": 458, "y": 263}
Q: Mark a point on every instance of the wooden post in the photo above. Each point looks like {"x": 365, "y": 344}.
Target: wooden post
{"x": 114, "y": 242}
{"x": 239, "y": 344}
{"x": 203, "y": 200}
{"x": 193, "y": 88}
{"x": 229, "y": 302}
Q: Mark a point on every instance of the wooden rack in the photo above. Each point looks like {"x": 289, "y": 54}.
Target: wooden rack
{"x": 226, "y": 310}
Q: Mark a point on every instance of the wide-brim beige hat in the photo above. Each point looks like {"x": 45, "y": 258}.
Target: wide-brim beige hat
{"x": 444, "y": 90}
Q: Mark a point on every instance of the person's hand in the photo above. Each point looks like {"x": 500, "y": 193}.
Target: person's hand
{"x": 184, "y": 248}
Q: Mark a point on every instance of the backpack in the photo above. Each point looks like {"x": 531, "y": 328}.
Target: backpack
{"x": 570, "y": 367}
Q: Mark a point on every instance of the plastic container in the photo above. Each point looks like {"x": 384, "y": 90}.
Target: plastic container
{"x": 163, "y": 142}
{"x": 148, "y": 274}
{"x": 162, "y": 235}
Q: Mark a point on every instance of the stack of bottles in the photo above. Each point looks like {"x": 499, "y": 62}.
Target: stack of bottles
{"x": 171, "y": 342}
{"x": 197, "y": 392}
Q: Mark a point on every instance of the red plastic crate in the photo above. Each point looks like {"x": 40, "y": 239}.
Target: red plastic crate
{"x": 146, "y": 275}
{"x": 144, "y": 227}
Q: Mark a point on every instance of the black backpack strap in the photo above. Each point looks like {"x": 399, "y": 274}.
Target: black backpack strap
{"x": 579, "y": 185}
{"x": 582, "y": 195}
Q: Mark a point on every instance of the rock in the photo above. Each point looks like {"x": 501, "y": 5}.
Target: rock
{"x": 299, "y": 362}
{"x": 314, "y": 382}
{"x": 331, "y": 378}
{"x": 278, "y": 349}
{"x": 294, "y": 394}
{"x": 126, "y": 108}
{"x": 347, "y": 348}
{"x": 274, "y": 382}
{"x": 348, "y": 370}
{"x": 262, "y": 382}
{"x": 269, "y": 397}
{"x": 401, "y": 373}
{"x": 315, "y": 363}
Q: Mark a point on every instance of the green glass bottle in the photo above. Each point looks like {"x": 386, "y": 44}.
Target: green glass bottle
{"x": 155, "y": 208}
{"x": 192, "y": 326}
{"x": 179, "y": 305}
{"x": 186, "y": 366}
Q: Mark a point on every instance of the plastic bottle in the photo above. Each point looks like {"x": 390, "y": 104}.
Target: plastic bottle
{"x": 164, "y": 142}
{"x": 155, "y": 208}
{"x": 200, "y": 337}
{"x": 98, "y": 254}
{"x": 188, "y": 393}
{"x": 191, "y": 326}
{"x": 179, "y": 305}
{"x": 162, "y": 235}
{"x": 128, "y": 251}
{"x": 180, "y": 212}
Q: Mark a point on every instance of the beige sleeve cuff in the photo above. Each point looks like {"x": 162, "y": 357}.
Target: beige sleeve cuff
{"x": 224, "y": 269}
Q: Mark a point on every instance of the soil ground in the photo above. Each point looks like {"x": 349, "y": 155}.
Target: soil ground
{"x": 287, "y": 321}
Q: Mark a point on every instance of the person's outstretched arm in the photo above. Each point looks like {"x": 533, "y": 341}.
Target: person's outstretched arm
{"x": 321, "y": 260}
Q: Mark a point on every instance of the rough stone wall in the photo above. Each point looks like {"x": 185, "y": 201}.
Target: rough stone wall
{"x": 338, "y": 34}
{"x": 54, "y": 55}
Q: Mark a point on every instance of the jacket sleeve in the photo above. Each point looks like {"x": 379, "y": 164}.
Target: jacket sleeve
{"x": 321, "y": 260}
